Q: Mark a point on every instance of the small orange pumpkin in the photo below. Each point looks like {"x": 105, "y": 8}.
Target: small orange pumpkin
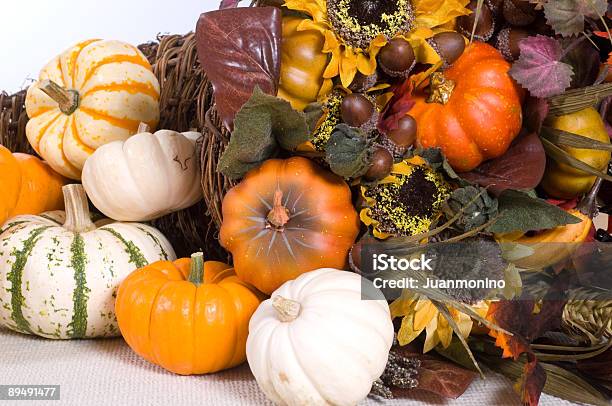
{"x": 285, "y": 218}
{"x": 189, "y": 316}
{"x": 473, "y": 110}
{"x": 27, "y": 185}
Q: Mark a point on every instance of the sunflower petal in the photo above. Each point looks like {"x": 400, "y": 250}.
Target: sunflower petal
{"x": 431, "y": 339}
{"x": 407, "y": 333}
{"x": 425, "y": 311}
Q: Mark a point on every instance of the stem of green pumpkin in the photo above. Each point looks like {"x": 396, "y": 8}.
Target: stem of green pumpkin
{"x": 196, "y": 275}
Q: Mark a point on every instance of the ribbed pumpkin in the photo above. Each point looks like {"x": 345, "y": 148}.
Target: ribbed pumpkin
{"x": 473, "y": 109}
{"x": 188, "y": 316}
{"x": 563, "y": 181}
{"x": 27, "y": 185}
{"x": 93, "y": 93}
{"x": 146, "y": 176}
{"x": 60, "y": 271}
{"x": 285, "y": 218}
{"x": 302, "y": 65}
{"x": 548, "y": 247}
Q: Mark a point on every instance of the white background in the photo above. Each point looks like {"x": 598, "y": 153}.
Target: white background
{"x": 34, "y": 31}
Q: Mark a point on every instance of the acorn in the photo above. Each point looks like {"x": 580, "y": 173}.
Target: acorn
{"x": 381, "y": 163}
{"x": 449, "y": 45}
{"x": 486, "y": 24}
{"x": 355, "y": 256}
{"x": 356, "y": 110}
{"x": 519, "y": 12}
{"x": 405, "y": 133}
{"x": 508, "y": 42}
{"x": 397, "y": 59}
{"x": 540, "y": 26}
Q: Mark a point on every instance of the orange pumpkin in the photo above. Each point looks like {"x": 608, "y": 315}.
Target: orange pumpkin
{"x": 285, "y": 218}
{"x": 188, "y": 316}
{"x": 27, "y": 185}
{"x": 473, "y": 109}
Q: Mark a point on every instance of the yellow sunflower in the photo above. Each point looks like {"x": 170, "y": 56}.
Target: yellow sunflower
{"x": 419, "y": 314}
{"x": 406, "y": 202}
{"x": 356, "y": 30}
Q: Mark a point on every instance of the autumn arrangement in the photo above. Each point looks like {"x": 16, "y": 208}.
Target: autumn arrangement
{"x": 476, "y": 133}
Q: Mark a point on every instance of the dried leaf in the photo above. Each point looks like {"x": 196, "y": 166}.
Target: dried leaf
{"x": 521, "y": 167}
{"x": 584, "y": 60}
{"x": 562, "y": 156}
{"x": 476, "y": 207}
{"x": 560, "y": 137}
{"x": 578, "y": 99}
{"x": 398, "y": 106}
{"x": 521, "y": 212}
{"x": 262, "y": 126}
{"x": 239, "y": 49}
{"x": 535, "y": 111}
{"x": 539, "y": 68}
{"x": 347, "y": 152}
{"x": 567, "y": 17}
{"x": 599, "y": 367}
{"x": 437, "y": 376}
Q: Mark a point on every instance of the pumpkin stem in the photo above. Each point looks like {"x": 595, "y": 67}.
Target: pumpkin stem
{"x": 196, "y": 275}
{"x": 279, "y": 215}
{"x": 143, "y": 128}
{"x": 441, "y": 88}
{"x": 588, "y": 204}
{"x": 67, "y": 100}
{"x": 78, "y": 219}
{"x": 287, "y": 310}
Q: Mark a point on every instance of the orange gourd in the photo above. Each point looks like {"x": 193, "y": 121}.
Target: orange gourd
{"x": 285, "y": 218}
{"x": 27, "y": 185}
{"x": 189, "y": 316}
{"x": 473, "y": 110}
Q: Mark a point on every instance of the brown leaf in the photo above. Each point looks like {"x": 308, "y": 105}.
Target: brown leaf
{"x": 437, "y": 375}
{"x": 599, "y": 367}
{"x": 228, "y": 4}
{"x": 535, "y": 111}
{"x": 520, "y": 168}
{"x": 517, "y": 316}
{"x": 239, "y": 49}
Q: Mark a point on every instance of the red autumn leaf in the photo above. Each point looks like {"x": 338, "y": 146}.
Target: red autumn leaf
{"x": 517, "y": 316}
{"x": 436, "y": 375}
{"x": 520, "y": 168}
{"x": 564, "y": 204}
{"x": 602, "y": 34}
{"x": 398, "y": 106}
{"x": 239, "y": 49}
{"x": 539, "y": 68}
{"x": 228, "y": 4}
{"x": 609, "y": 61}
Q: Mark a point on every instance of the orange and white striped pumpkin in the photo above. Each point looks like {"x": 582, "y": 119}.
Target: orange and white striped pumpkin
{"x": 94, "y": 93}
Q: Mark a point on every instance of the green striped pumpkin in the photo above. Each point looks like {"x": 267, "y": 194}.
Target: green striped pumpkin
{"x": 59, "y": 271}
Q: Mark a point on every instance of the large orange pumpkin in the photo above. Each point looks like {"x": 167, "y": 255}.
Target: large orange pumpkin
{"x": 188, "y": 316}
{"x": 27, "y": 185}
{"x": 285, "y": 218}
{"x": 473, "y": 109}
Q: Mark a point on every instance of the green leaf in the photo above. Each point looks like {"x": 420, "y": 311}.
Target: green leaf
{"x": 567, "y": 17}
{"x": 521, "y": 212}
{"x": 436, "y": 159}
{"x": 262, "y": 126}
{"x": 347, "y": 151}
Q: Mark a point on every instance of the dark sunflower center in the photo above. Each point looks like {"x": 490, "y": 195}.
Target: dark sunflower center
{"x": 370, "y": 11}
{"x": 418, "y": 195}
{"x": 358, "y": 22}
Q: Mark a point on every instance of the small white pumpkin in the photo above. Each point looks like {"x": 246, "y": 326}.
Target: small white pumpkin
{"x": 93, "y": 93}
{"x": 145, "y": 177}
{"x": 317, "y": 342}
{"x": 59, "y": 271}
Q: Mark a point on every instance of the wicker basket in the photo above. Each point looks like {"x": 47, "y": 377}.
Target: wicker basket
{"x": 186, "y": 102}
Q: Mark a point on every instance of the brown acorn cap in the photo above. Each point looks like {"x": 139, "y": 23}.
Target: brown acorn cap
{"x": 449, "y": 45}
{"x": 486, "y": 23}
{"x": 508, "y": 42}
{"x": 397, "y": 58}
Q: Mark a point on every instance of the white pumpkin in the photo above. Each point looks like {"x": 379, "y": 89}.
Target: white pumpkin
{"x": 145, "y": 177}
{"x": 91, "y": 94}
{"x": 59, "y": 271}
{"x": 316, "y": 342}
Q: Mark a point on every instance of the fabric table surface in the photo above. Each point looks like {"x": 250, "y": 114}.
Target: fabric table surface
{"x": 107, "y": 372}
